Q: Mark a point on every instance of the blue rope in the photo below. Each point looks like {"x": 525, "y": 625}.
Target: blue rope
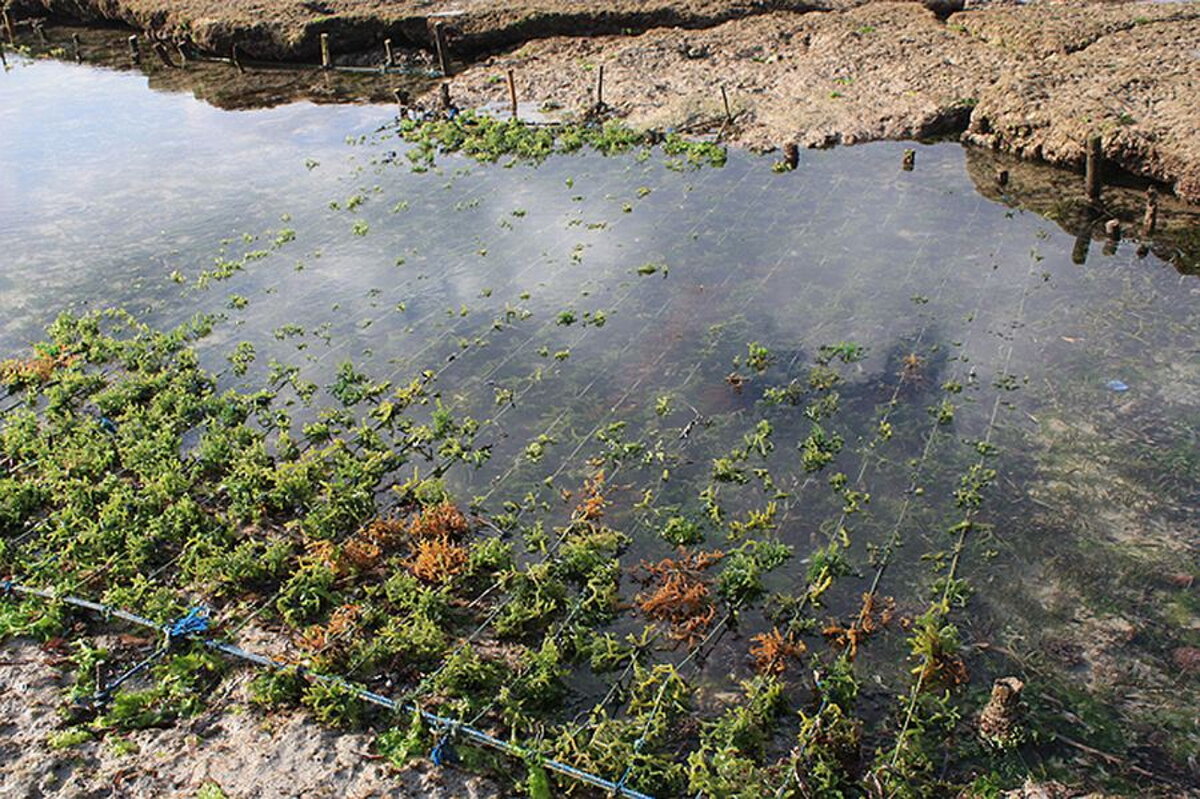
{"x": 442, "y": 752}
{"x": 196, "y": 621}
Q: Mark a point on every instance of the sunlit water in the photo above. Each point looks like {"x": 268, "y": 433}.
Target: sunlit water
{"x": 1085, "y": 377}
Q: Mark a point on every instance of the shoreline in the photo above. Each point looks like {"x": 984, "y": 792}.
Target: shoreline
{"x": 1032, "y": 80}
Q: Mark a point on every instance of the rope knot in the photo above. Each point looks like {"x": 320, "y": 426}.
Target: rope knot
{"x": 194, "y": 622}
{"x": 442, "y": 752}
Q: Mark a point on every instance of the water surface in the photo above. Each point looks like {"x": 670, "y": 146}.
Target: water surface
{"x": 528, "y": 291}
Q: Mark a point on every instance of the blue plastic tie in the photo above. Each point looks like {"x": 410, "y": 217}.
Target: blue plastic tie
{"x": 1116, "y": 385}
{"x": 194, "y": 622}
{"x": 108, "y": 425}
{"x": 442, "y": 753}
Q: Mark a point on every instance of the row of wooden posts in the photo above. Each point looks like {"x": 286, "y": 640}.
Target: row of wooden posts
{"x": 1093, "y": 184}
{"x": 443, "y": 52}
{"x": 1093, "y": 177}
{"x": 441, "y": 46}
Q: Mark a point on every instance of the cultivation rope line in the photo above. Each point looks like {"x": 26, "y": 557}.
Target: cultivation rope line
{"x": 894, "y": 537}
{"x": 195, "y": 623}
{"x": 960, "y": 542}
{"x": 797, "y": 484}
{"x": 722, "y": 625}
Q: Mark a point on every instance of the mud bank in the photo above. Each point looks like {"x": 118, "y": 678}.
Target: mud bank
{"x": 231, "y": 747}
{"x": 1034, "y": 80}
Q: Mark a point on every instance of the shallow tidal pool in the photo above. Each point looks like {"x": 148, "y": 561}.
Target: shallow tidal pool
{"x": 848, "y": 357}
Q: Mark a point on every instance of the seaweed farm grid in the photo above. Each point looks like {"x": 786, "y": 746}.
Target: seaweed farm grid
{"x": 721, "y": 436}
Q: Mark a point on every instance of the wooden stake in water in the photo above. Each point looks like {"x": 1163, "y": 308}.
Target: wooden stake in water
{"x": 725, "y": 100}
{"x": 389, "y": 60}
{"x": 401, "y": 100}
{"x": 1079, "y": 253}
{"x": 1150, "y": 220}
{"x": 791, "y": 155}
{"x": 77, "y": 48}
{"x": 326, "y": 62}
{"x": 233, "y": 56}
{"x": 3, "y": 59}
{"x": 512, "y": 93}
{"x": 910, "y": 160}
{"x": 600, "y": 89}
{"x": 161, "y": 50}
{"x": 135, "y": 54}
{"x": 1112, "y": 235}
{"x": 1092, "y": 177}
{"x": 443, "y": 50}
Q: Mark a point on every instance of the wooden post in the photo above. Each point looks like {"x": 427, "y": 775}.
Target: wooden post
{"x": 1150, "y": 220}
{"x": 183, "y": 59}
{"x": 600, "y": 88}
{"x": 325, "y": 60}
{"x": 134, "y": 53}
{"x": 910, "y": 160}
{"x": 8, "y": 27}
{"x": 77, "y": 47}
{"x": 1092, "y": 177}
{"x": 233, "y": 56}
{"x": 725, "y": 100}
{"x": 401, "y": 100}
{"x": 389, "y": 60}
{"x": 3, "y": 59}
{"x": 443, "y": 51}
{"x": 161, "y": 50}
{"x": 1083, "y": 242}
{"x": 512, "y": 93}
{"x": 791, "y": 155}
{"x": 446, "y": 104}
{"x": 1002, "y": 177}
{"x": 1112, "y": 235}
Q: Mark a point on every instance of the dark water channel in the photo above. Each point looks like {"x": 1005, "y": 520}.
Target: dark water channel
{"x": 1084, "y": 378}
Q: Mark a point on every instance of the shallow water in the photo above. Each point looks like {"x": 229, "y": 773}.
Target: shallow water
{"x": 1085, "y": 377}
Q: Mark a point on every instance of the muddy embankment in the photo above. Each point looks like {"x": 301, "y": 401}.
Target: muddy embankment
{"x": 1036, "y": 80}
{"x": 229, "y": 745}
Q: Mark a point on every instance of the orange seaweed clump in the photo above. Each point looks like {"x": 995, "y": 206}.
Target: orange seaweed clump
{"x": 679, "y": 593}
{"x": 38, "y": 369}
{"x": 318, "y": 637}
{"x": 362, "y": 552}
{"x": 591, "y": 507}
{"x": 436, "y": 560}
{"x": 875, "y": 614}
{"x": 384, "y": 533}
{"x": 371, "y": 542}
{"x": 772, "y": 651}
{"x": 443, "y": 520}
{"x": 324, "y": 554}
